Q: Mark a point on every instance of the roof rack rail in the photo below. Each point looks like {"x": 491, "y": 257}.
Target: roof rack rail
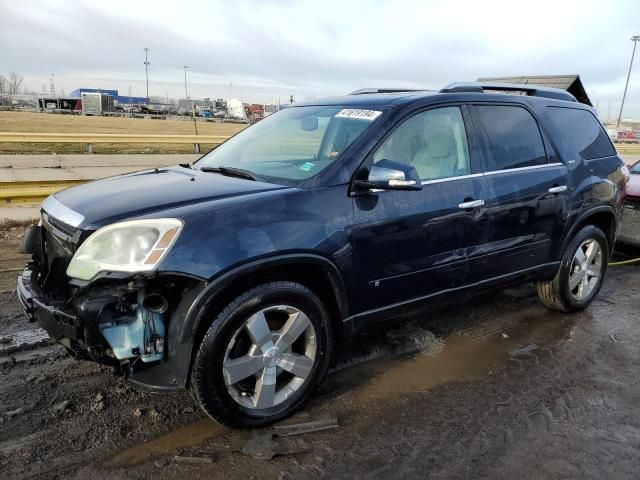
{"x": 530, "y": 90}
{"x": 364, "y": 91}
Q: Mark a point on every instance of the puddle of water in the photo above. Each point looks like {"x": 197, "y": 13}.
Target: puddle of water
{"x": 25, "y": 340}
{"x": 183, "y": 437}
{"x": 30, "y": 355}
{"x": 467, "y": 355}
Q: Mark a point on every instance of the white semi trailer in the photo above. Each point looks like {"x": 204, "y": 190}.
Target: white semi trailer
{"x": 96, "y": 103}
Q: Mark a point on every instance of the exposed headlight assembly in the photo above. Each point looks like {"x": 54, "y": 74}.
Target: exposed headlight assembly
{"x": 132, "y": 246}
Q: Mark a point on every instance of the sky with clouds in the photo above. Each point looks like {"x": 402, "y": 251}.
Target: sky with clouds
{"x": 264, "y": 50}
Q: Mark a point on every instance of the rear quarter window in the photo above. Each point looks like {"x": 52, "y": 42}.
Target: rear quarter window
{"x": 582, "y": 132}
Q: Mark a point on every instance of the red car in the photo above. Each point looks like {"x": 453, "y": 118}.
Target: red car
{"x": 627, "y": 137}
{"x": 630, "y": 220}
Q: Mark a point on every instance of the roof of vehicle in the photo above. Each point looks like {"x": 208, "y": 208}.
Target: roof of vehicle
{"x": 464, "y": 91}
{"x": 367, "y": 99}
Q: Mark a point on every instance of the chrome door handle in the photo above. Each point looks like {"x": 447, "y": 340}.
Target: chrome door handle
{"x": 560, "y": 189}
{"x": 471, "y": 204}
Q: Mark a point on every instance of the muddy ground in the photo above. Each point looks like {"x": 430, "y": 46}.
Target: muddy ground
{"x": 498, "y": 388}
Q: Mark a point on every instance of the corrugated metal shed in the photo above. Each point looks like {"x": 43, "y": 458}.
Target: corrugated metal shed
{"x": 570, "y": 83}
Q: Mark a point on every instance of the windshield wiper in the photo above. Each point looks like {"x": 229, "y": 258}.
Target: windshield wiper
{"x": 231, "y": 172}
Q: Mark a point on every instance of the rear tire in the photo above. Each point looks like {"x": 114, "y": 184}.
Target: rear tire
{"x": 581, "y": 273}
{"x": 263, "y": 355}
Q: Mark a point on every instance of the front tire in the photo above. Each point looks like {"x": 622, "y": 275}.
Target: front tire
{"x": 581, "y": 272}
{"x": 263, "y": 355}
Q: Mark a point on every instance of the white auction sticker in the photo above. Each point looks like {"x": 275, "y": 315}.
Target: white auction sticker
{"x": 370, "y": 115}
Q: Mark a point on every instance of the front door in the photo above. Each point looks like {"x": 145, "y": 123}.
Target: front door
{"x": 411, "y": 244}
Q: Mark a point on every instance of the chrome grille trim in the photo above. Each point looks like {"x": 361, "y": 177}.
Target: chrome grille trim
{"x": 58, "y": 210}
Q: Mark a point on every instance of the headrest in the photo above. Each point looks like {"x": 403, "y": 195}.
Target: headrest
{"x": 440, "y": 142}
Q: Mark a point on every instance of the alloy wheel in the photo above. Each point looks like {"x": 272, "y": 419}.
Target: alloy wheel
{"x": 586, "y": 268}
{"x": 269, "y": 357}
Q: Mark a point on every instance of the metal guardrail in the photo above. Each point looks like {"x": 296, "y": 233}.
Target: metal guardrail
{"x": 629, "y": 148}
{"x": 33, "y": 192}
{"x": 90, "y": 138}
{"x": 20, "y": 193}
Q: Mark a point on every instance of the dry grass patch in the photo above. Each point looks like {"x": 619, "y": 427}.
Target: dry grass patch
{"x": 8, "y": 224}
{"x": 52, "y": 123}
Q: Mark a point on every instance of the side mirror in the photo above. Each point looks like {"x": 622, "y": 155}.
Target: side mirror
{"x": 391, "y": 175}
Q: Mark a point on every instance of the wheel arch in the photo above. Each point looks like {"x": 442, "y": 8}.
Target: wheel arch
{"x": 603, "y": 217}
{"x": 311, "y": 270}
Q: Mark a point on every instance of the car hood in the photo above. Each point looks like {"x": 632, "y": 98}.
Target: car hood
{"x": 105, "y": 201}
{"x": 633, "y": 186}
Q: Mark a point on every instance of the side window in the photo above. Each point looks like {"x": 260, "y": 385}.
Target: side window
{"x": 583, "y": 132}
{"x": 433, "y": 141}
{"x": 511, "y": 137}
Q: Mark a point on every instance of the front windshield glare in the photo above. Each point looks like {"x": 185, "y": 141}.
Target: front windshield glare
{"x": 293, "y": 144}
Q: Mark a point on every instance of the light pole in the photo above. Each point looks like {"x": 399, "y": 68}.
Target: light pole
{"x": 634, "y": 39}
{"x": 146, "y": 68}
{"x": 186, "y": 95}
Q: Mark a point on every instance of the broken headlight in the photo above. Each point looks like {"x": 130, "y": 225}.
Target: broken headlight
{"x": 132, "y": 246}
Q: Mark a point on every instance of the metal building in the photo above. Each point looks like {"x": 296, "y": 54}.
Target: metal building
{"x": 570, "y": 83}
{"x": 121, "y": 99}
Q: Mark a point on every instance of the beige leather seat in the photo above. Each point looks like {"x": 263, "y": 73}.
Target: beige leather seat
{"x": 438, "y": 158}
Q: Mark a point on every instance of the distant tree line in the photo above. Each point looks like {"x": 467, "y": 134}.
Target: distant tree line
{"x": 11, "y": 83}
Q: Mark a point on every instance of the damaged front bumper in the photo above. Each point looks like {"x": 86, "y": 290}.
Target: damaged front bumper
{"x": 58, "y": 322}
{"x": 124, "y": 324}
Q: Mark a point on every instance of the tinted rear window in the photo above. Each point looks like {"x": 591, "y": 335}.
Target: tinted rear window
{"x": 583, "y": 132}
{"x": 511, "y": 137}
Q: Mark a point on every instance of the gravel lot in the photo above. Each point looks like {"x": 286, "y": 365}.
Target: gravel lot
{"x": 497, "y": 388}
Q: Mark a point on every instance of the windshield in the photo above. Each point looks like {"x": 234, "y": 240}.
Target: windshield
{"x": 636, "y": 168}
{"x": 293, "y": 144}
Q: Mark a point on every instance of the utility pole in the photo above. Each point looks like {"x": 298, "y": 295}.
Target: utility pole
{"x": 634, "y": 39}
{"x": 196, "y": 147}
{"x": 52, "y": 86}
{"x": 130, "y": 103}
{"x": 146, "y": 68}
{"x": 186, "y": 93}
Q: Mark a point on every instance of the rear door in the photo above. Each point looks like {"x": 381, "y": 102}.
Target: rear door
{"x": 527, "y": 192}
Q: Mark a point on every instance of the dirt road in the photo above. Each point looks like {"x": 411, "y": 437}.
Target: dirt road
{"x": 498, "y": 388}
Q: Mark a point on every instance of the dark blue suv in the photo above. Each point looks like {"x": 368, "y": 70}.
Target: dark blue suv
{"x": 242, "y": 275}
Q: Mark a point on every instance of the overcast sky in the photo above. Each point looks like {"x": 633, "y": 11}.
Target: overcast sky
{"x": 316, "y": 48}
